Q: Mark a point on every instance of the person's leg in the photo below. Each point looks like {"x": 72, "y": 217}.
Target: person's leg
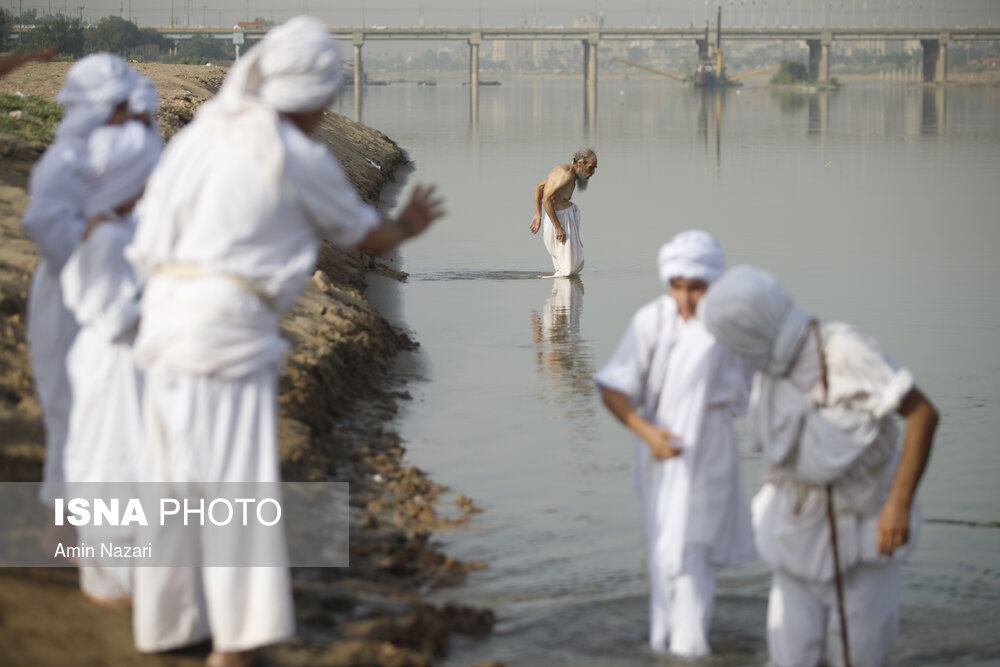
{"x": 249, "y": 607}
{"x": 168, "y": 602}
{"x": 796, "y": 622}
{"x": 660, "y": 603}
{"x": 871, "y": 604}
{"x": 553, "y": 246}
{"x": 694, "y": 598}
{"x": 108, "y": 587}
{"x": 51, "y": 330}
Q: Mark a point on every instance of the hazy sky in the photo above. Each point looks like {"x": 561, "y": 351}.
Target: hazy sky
{"x": 342, "y": 13}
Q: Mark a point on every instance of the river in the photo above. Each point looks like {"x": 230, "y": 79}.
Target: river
{"x": 875, "y": 204}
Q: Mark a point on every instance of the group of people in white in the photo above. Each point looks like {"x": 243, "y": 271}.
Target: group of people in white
{"x": 154, "y": 311}
{"x": 153, "y": 327}
{"x": 836, "y": 513}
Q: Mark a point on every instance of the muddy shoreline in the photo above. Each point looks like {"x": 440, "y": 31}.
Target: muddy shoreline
{"x": 336, "y": 394}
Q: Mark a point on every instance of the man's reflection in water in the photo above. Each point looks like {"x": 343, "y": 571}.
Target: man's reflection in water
{"x": 561, "y": 354}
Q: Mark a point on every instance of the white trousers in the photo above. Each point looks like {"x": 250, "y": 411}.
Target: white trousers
{"x": 680, "y": 605}
{"x": 803, "y": 624}
{"x": 567, "y": 257}
{"x": 51, "y": 330}
{"x": 104, "y": 443}
{"x": 204, "y": 429}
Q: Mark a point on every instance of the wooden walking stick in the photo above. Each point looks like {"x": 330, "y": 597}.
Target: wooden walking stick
{"x": 838, "y": 579}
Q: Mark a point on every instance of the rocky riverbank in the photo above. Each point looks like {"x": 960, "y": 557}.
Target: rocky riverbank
{"x": 336, "y": 395}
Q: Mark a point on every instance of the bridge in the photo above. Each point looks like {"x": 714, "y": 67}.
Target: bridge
{"x": 935, "y": 42}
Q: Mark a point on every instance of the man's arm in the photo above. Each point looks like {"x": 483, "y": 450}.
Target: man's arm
{"x": 18, "y": 58}
{"x": 661, "y": 442}
{"x": 423, "y": 209}
{"x": 536, "y": 201}
{"x": 894, "y": 518}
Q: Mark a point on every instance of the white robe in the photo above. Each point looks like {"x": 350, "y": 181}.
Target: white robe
{"x": 694, "y": 512}
{"x": 105, "y": 430}
{"x": 247, "y": 238}
{"x": 790, "y": 514}
{"x": 54, "y": 221}
{"x": 567, "y": 257}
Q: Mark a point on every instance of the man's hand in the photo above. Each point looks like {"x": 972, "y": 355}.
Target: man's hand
{"x": 422, "y": 209}
{"x": 893, "y": 527}
{"x": 536, "y": 224}
{"x": 93, "y": 224}
{"x": 560, "y": 234}
{"x": 661, "y": 442}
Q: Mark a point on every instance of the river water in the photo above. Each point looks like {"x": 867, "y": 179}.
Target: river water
{"x": 876, "y": 204}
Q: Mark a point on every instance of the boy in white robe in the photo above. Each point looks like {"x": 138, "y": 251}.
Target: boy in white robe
{"x": 678, "y": 390}
{"x": 101, "y": 291}
{"x": 229, "y": 232}
{"x": 95, "y": 93}
{"x": 821, "y": 413}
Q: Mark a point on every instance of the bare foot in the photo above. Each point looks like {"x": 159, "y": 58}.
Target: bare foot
{"x": 232, "y": 658}
{"x": 114, "y": 604}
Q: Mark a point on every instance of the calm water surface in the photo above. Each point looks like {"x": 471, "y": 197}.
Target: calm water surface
{"x": 877, "y": 205}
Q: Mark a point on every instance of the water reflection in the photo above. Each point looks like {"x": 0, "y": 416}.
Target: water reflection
{"x": 819, "y": 112}
{"x": 562, "y": 355}
{"x": 932, "y": 110}
{"x": 789, "y": 101}
{"x": 710, "y": 120}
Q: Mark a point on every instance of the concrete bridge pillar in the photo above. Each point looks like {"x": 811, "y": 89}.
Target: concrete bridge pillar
{"x": 819, "y": 57}
{"x": 935, "y": 64}
{"x": 590, "y": 76}
{"x": 475, "y": 39}
{"x": 358, "y": 40}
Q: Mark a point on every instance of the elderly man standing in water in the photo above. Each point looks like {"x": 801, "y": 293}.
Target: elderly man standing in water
{"x": 230, "y": 232}
{"x": 562, "y": 217}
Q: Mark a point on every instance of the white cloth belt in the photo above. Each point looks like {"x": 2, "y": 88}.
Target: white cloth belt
{"x": 193, "y": 271}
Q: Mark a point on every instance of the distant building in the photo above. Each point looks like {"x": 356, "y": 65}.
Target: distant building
{"x": 145, "y": 51}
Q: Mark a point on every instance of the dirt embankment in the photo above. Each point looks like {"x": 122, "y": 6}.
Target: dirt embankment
{"x": 335, "y": 398}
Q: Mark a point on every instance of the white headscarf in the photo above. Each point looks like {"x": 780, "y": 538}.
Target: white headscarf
{"x": 296, "y": 67}
{"x": 119, "y": 160}
{"x": 143, "y": 99}
{"x": 751, "y": 311}
{"x": 694, "y": 255}
{"x": 94, "y": 86}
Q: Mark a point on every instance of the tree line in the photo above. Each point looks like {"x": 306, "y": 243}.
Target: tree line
{"x": 112, "y": 34}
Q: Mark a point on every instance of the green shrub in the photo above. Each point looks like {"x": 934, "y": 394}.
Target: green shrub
{"x": 791, "y": 72}
{"x": 39, "y": 121}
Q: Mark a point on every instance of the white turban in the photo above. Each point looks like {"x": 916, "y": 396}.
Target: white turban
{"x": 296, "y": 67}
{"x": 94, "y": 86}
{"x": 694, "y": 255}
{"x": 119, "y": 160}
{"x": 143, "y": 98}
{"x": 750, "y": 311}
